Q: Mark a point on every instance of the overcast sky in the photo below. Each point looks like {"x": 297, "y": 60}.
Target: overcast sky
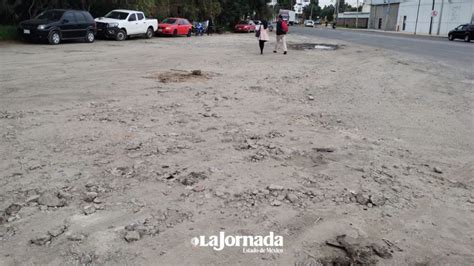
{"x": 328, "y": 2}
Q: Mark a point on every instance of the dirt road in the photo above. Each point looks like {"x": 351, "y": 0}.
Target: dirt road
{"x": 115, "y": 153}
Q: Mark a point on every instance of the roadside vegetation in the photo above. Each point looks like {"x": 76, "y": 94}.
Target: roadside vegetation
{"x": 224, "y": 12}
{"x": 7, "y": 32}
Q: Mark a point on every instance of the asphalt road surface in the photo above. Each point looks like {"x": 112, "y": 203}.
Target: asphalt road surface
{"x": 456, "y": 53}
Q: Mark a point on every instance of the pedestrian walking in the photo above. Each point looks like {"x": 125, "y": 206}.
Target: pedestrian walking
{"x": 262, "y": 35}
{"x": 282, "y": 30}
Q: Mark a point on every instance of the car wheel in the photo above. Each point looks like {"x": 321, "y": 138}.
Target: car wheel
{"x": 121, "y": 35}
{"x": 149, "y": 33}
{"x": 190, "y": 32}
{"x": 54, "y": 38}
{"x": 467, "y": 38}
{"x": 450, "y": 37}
{"x": 175, "y": 33}
{"x": 90, "y": 37}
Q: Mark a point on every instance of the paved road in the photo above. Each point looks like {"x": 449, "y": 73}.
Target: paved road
{"x": 456, "y": 53}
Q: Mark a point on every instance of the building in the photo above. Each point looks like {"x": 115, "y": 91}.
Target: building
{"x": 383, "y": 14}
{"x": 436, "y": 17}
{"x": 351, "y": 19}
{"x": 300, "y": 5}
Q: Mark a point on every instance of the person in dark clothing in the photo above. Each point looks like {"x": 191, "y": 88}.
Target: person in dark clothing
{"x": 210, "y": 27}
{"x": 281, "y": 31}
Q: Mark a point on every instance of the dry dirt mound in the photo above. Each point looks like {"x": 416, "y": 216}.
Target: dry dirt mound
{"x": 178, "y": 76}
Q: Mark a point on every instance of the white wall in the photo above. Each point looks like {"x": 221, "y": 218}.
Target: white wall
{"x": 454, "y": 13}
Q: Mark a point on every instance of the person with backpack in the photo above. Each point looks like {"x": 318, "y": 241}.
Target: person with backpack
{"x": 262, "y": 35}
{"x": 282, "y": 30}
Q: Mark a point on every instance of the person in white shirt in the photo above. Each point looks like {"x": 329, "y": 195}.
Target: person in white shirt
{"x": 262, "y": 35}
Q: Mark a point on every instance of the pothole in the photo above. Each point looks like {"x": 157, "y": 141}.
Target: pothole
{"x": 313, "y": 46}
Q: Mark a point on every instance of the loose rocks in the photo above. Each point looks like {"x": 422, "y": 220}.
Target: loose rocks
{"x": 89, "y": 209}
{"x": 57, "y": 231}
{"x": 41, "y": 240}
{"x": 131, "y": 236}
{"x": 51, "y": 199}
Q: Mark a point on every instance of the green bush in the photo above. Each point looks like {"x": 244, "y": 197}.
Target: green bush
{"x": 8, "y": 32}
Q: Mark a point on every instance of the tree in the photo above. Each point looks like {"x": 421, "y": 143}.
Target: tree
{"x": 328, "y": 13}
{"x": 225, "y": 12}
{"x": 313, "y": 10}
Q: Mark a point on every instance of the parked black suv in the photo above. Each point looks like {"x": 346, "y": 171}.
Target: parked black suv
{"x": 465, "y": 31}
{"x": 59, "y": 24}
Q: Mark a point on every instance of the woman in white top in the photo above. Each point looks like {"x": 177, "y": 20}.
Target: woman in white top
{"x": 262, "y": 35}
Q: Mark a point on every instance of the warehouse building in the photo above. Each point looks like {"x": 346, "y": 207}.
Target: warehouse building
{"x": 383, "y": 14}
{"x": 435, "y": 17}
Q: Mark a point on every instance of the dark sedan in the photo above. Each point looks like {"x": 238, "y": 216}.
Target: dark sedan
{"x": 465, "y": 32}
{"x": 56, "y": 25}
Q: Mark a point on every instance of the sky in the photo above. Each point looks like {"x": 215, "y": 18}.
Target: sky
{"x": 328, "y": 2}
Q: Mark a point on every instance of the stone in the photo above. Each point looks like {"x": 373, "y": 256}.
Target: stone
{"x": 76, "y": 237}
{"x": 396, "y": 188}
{"x": 291, "y": 197}
{"x": 33, "y": 198}
{"x": 275, "y": 203}
{"x": 196, "y": 73}
{"x": 377, "y": 200}
{"x": 90, "y": 196}
{"x": 437, "y": 170}
{"x": 198, "y": 188}
{"x": 51, "y": 199}
{"x": 97, "y": 201}
{"x": 64, "y": 195}
{"x": 362, "y": 199}
{"x": 41, "y": 240}
{"x": 381, "y": 251}
{"x": 13, "y": 209}
{"x": 57, "y": 231}
{"x": 327, "y": 149}
{"x": 275, "y": 187}
{"x": 89, "y": 209}
{"x": 311, "y": 98}
{"x": 85, "y": 259}
{"x": 132, "y": 236}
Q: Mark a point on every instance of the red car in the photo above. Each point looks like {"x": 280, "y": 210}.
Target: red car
{"x": 245, "y": 26}
{"x": 175, "y": 27}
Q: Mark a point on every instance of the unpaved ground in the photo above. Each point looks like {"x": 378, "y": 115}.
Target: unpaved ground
{"x": 311, "y": 145}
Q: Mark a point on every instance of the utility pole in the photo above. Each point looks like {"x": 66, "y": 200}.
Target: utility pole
{"x": 357, "y": 15}
{"x": 417, "y": 14}
{"x": 431, "y": 19}
{"x": 387, "y": 15}
{"x": 440, "y": 17}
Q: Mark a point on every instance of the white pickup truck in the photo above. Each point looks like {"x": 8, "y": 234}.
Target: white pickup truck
{"x": 119, "y": 24}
